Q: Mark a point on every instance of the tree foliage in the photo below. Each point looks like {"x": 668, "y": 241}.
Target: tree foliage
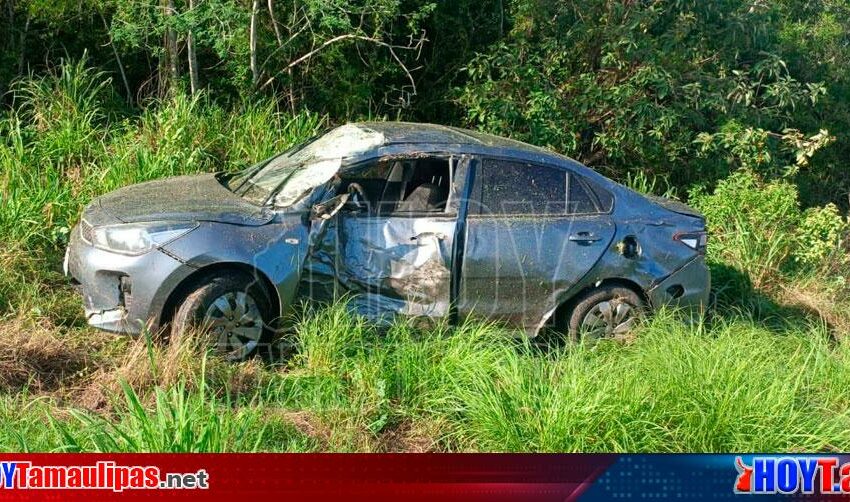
{"x": 684, "y": 91}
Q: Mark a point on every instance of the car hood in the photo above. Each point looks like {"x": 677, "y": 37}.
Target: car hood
{"x": 196, "y": 198}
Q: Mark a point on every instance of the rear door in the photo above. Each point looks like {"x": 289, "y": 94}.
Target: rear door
{"x": 532, "y": 231}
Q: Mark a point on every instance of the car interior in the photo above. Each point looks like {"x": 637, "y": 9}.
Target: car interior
{"x": 399, "y": 186}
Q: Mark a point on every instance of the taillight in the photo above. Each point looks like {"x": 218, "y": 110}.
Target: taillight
{"x": 694, "y": 240}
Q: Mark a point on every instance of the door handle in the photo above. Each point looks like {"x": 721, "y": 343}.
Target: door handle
{"x": 437, "y": 235}
{"x": 584, "y": 237}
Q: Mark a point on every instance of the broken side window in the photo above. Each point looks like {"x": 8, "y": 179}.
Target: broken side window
{"x": 423, "y": 186}
{"x": 367, "y": 181}
{"x": 401, "y": 185}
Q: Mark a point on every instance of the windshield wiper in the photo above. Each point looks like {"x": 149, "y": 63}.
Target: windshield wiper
{"x": 253, "y": 171}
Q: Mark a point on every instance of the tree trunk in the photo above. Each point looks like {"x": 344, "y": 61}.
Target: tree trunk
{"x": 255, "y": 70}
{"x": 22, "y": 52}
{"x": 290, "y": 86}
{"x": 170, "y": 49}
{"x": 291, "y": 90}
{"x": 117, "y": 59}
{"x": 193, "y": 60}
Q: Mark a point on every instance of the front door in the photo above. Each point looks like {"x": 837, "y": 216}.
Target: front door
{"x": 392, "y": 245}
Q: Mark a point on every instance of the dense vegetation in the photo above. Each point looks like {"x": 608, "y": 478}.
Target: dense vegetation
{"x": 741, "y": 108}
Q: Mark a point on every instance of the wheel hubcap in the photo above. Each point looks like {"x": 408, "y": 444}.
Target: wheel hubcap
{"x": 235, "y": 323}
{"x": 609, "y": 319}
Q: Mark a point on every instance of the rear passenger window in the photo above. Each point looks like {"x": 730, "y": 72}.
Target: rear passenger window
{"x": 505, "y": 187}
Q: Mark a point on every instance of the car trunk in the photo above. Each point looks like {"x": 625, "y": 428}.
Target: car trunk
{"x": 675, "y": 206}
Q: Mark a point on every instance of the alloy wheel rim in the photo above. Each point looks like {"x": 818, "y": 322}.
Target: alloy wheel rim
{"x": 612, "y": 319}
{"x": 235, "y": 324}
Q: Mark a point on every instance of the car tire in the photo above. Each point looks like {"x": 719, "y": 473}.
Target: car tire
{"x": 608, "y": 312}
{"x": 232, "y": 308}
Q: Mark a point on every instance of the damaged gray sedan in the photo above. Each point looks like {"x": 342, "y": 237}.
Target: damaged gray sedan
{"x": 404, "y": 220}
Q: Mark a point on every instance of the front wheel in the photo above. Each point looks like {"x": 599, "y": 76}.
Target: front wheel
{"x": 609, "y": 312}
{"x": 232, "y": 309}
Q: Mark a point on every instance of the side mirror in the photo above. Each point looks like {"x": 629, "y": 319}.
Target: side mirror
{"x": 328, "y": 209}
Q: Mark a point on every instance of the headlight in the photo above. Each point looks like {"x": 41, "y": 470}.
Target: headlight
{"x": 138, "y": 238}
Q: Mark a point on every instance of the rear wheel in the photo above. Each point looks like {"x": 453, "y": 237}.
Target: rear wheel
{"x": 609, "y": 312}
{"x": 232, "y": 309}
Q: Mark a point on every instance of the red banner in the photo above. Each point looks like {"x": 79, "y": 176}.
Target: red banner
{"x": 468, "y": 477}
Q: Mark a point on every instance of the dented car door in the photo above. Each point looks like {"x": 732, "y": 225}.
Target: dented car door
{"x": 393, "y": 254}
{"x": 396, "y": 265}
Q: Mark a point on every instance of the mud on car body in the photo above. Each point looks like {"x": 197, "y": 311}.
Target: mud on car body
{"x": 406, "y": 219}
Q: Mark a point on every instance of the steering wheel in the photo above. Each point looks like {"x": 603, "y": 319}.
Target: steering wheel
{"x": 358, "y": 195}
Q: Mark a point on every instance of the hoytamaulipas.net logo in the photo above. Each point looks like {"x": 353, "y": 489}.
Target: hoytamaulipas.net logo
{"x": 787, "y": 475}
{"x": 104, "y": 475}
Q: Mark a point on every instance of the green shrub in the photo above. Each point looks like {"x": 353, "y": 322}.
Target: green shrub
{"x": 820, "y": 235}
{"x": 759, "y": 233}
{"x": 650, "y": 184}
{"x": 753, "y": 223}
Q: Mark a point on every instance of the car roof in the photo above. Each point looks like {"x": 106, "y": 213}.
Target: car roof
{"x": 411, "y": 133}
{"x": 412, "y": 137}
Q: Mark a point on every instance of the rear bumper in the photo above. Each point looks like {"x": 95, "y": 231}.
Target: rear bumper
{"x": 121, "y": 294}
{"x": 689, "y": 287}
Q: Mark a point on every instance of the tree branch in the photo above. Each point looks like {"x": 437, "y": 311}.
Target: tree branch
{"x": 354, "y": 36}
{"x": 117, "y": 58}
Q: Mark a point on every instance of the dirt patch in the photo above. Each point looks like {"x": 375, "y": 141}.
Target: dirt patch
{"x": 39, "y": 357}
{"x": 829, "y": 307}
{"x": 240, "y": 380}
{"x": 408, "y": 437}
{"x": 149, "y": 365}
{"x": 335, "y": 433}
{"x": 145, "y": 366}
{"x": 309, "y": 425}
{"x": 337, "y": 430}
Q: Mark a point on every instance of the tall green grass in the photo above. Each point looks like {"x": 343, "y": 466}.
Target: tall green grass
{"x": 65, "y": 142}
{"x": 178, "y": 421}
{"x": 26, "y": 424}
{"x": 174, "y": 399}
{"x": 732, "y": 386}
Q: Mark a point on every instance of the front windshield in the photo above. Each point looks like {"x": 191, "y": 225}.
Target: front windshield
{"x": 290, "y": 176}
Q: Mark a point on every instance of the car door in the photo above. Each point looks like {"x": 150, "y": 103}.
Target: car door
{"x": 391, "y": 252}
{"x": 532, "y": 231}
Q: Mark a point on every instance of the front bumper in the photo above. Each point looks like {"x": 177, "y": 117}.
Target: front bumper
{"x": 688, "y": 288}
{"x": 122, "y": 294}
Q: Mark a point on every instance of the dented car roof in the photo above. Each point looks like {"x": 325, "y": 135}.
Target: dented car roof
{"x": 415, "y": 135}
